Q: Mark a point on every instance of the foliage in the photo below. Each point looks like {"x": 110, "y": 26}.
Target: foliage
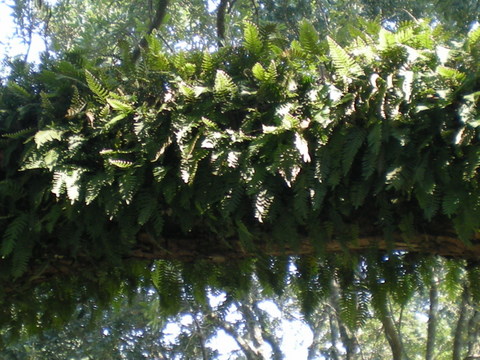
{"x": 259, "y": 325}
{"x": 258, "y": 142}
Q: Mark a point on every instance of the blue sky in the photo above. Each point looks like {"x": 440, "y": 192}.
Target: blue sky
{"x": 10, "y": 44}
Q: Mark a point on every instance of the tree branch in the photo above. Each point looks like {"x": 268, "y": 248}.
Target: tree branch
{"x": 156, "y": 22}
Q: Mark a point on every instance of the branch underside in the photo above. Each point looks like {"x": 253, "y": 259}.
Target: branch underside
{"x": 194, "y": 249}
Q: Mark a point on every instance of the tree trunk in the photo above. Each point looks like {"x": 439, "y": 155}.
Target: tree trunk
{"x": 474, "y": 335}
{"x": 432, "y": 319}
{"x": 391, "y": 333}
{"x": 221, "y": 11}
{"x": 458, "y": 341}
{"x": 347, "y": 340}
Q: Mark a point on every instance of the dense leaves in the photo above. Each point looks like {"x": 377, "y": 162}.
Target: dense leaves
{"x": 258, "y": 149}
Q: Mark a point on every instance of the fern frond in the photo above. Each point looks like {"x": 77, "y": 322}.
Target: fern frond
{"x": 224, "y": 87}
{"x": 127, "y": 185}
{"x": 252, "y": 40}
{"x": 13, "y": 233}
{"x": 19, "y": 134}
{"x": 354, "y": 141}
{"x": 308, "y": 38}
{"x": 96, "y": 86}
{"x": 44, "y": 136}
{"x": 344, "y": 64}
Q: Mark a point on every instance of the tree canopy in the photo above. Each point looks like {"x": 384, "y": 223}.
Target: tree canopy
{"x": 355, "y": 151}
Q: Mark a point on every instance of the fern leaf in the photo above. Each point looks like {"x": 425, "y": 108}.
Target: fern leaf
{"x": 120, "y": 105}
{"x": 259, "y": 72}
{"x": 473, "y": 37}
{"x": 20, "y": 256}
{"x": 355, "y": 139}
{"x": 208, "y": 65}
{"x": 224, "y": 87}
{"x": 453, "y": 75}
{"x": 345, "y": 65}
{"x": 252, "y": 40}
{"x": 76, "y": 104}
{"x": 19, "y": 134}
{"x": 13, "y": 233}
{"x": 146, "y": 204}
{"x": 96, "y": 86}
{"x": 308, "y": 38}
{"x": 44, "y": 136}
{"x": 127, "y": 184}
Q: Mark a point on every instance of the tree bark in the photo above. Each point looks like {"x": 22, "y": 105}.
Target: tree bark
{"x": 458, "y": 341}
{"x": 156, "y": 22}
{"x": 391, "y": 333}
{"x": 221, "y": 11}
{"x": 474, "y": 335}
{"x": 432, "y": 320}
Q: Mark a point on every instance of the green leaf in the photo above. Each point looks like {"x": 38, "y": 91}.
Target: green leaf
{"x": 96, "y": 86}
{"x": 13, "y": 232}
{"x": 120, "y": 106}
{"x": 308, "y": 38}
{"x": 44, "y": 136}
{"x": 252, "y": 40}
{"x": 344, "y": 64}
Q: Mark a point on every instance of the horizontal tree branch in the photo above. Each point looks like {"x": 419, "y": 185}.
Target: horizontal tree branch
{"x": 190, "y": 249}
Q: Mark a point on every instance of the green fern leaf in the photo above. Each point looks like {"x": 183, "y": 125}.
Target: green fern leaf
{"x": 20, "y": 256}
{"x": 13, "y": 233}
{"x": 354, "y": 140}
{"x": 252, "y": 40}
{"x": 96, "y": 86}
{"x": 208, "y": 64}
{"x": 224, "y": 87}
{"x": 19, "y": 134}
{"x": 146, "y": 204}
{"x": 44, "y": 136}
{"x": 120, "y": 105}
{"x": 259, "y": 72}
{"x": 345, "y": 65}
{"x": 308, "y": 38}
{"x": 473, "y": 37}
{"x": 127, "y": 184}
{"x": 450, "y": 203}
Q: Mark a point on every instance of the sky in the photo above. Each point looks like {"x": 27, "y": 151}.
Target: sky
{"x": 10, "y": 45}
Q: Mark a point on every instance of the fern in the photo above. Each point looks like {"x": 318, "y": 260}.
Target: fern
{"x": 165, "y": 277}
{"x": 354, "y": 140}
{"x": 19, "y": 134}
{"x": 21, "y": 256}
{"x": 146, "y": 204}
{"x": 224, "y": 88}
{"x": 96, "y": 86}
{"x": 77, "y": 103}
{"x": 473, "y": 38}
{"x": 127, "y": 185}
{"x": 345, "y": 65}
{"x": 208, "y": 64}
{"x": 308, "y": 38}
{"x": 258, "y": 71}
{"x": 252, "y": 40}
{"x": 44, "y": 136}
{"x": 14, "y": 231}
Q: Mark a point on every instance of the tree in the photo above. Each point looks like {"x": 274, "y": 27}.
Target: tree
{"x": 261, "y": 324}
{"x": 204, "y": 167}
